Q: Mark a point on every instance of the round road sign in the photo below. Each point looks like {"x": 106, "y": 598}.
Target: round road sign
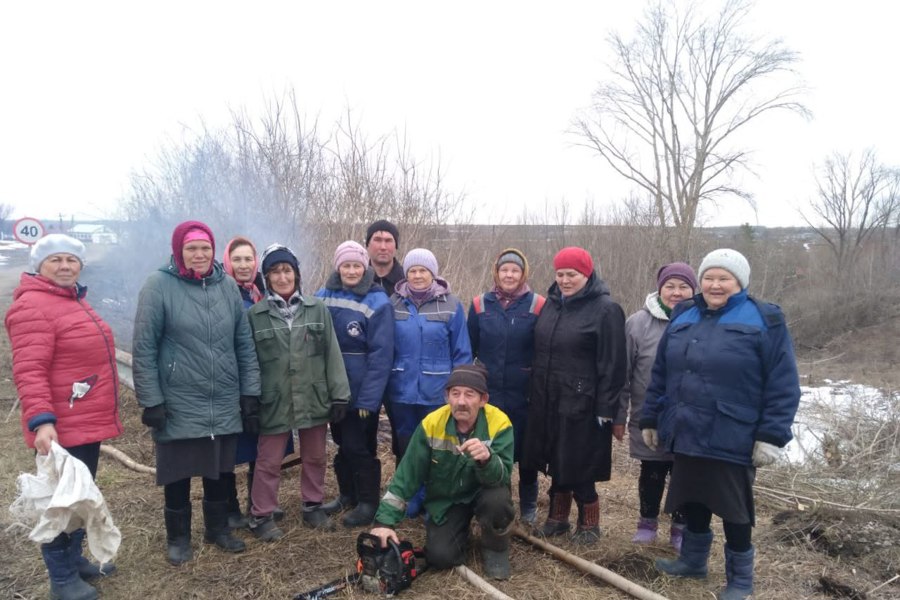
{"x": 28, "y": 230}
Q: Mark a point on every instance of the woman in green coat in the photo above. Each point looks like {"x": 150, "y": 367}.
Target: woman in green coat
{"x": 197, "y": 379}
{"x": 304, "y": 386}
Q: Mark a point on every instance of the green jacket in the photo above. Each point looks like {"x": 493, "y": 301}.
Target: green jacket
{"x": 301, "y": 366}
{"x": 193, "y": 353}
{"x": 449, "y": 477}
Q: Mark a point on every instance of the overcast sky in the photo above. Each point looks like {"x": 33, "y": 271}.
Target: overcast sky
{"x": 91, "y": 91}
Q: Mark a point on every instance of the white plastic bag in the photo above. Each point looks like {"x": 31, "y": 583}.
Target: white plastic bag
{"x": 62, "y": 497}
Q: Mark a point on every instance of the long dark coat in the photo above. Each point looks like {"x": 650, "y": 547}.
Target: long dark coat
{"x": 578, "y": 373}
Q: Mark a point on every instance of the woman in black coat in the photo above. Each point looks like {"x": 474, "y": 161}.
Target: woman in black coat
{"x": 578, "y": 373}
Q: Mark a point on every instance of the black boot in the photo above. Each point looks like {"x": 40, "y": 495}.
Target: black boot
{"x": 368, "y": 486}
{"x": 315, "y": 517}
{"x": 178, "y": 535}
{"x": 86, "y": 569}
{"x": 528, "y": 493}
{"x": 65, "y": 583}
{"x": 215, "y": 516}
{"x": 343, "y": 472}
{"x": 235, "y": 519}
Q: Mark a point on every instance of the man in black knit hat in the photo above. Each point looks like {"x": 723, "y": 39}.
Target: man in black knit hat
{"x": 382, "y": 239}
{"x": 463, "y": 453}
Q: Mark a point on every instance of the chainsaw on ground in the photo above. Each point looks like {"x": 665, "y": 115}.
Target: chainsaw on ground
{"x": 386, "y": 571}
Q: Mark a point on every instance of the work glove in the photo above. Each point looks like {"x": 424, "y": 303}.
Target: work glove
{"x": 650, "y": 437}
{"x": 154, "y": 416}
{"x": 250, "y": 413}
{"x": 338, "y": 410}
{"x": 765, "y": 454}
{"x": 363, "y": 413}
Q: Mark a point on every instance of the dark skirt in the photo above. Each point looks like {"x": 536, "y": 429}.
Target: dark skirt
{"x": 199, "y": 457}
{"x": 724, "y": 488}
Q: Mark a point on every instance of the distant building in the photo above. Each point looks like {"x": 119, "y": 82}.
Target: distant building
{"x": 94, "y": 234}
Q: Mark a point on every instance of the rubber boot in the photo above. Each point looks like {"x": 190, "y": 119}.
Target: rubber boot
{"x": 738, "y": 574}
{"x": 368, "y": 486}
{"x": 528, "y": 493}
{"x": 215, "y": 517}
{"x": 557, "y": 515}
{"x": 315, "y": 518}
{"x": 236, "y": 520}
{"x": 588, "y": 531}
{"x": 646, "y": 531}
{"x": 178, "y": 535}
{"x": 693, "y": 558}
{"x": 676, "y": 536}
{"x": 86, "y": 569}
{"x": 495, "y": 563}
{"x": 265, "y": 529}
{"x": 65, "y": 583}
{"x": 346, "y": 491}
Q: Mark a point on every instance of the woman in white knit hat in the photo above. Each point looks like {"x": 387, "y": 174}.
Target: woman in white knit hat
{"x": 64, "y": 368}
{"x": 722, "y": 400}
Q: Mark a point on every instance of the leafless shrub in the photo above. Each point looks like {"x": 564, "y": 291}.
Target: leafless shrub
{"x": 849, "y": 445}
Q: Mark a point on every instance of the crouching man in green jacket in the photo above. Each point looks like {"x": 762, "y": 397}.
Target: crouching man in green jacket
{"x": 463, "y": 453}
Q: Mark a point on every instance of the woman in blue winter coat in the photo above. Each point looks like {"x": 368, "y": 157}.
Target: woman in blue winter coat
{"x": 364, "y": 323}
{"x": 430, "y": 339}
{"x": 722, "y": 399}
{"x": 501, "y": 329}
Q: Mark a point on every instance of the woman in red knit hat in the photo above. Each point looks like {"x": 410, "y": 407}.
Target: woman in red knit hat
{"x": 578, "y": 373}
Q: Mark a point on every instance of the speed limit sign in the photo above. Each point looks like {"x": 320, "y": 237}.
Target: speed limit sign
{"x": 28, "y": 230}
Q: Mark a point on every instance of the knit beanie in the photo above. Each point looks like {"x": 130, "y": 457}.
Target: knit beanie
{"x": 350, "y": 251}
{"x": 383, "y": 225}
{"x": 55, "y": 243}
{"x": 576, "y": 258}
{"x": 732, "y": 261}
{"x": 420, "y": 257}
{"x": 676, "y": 270}
{"x": 473, "y": 376}
{"x": 276, "y": 253}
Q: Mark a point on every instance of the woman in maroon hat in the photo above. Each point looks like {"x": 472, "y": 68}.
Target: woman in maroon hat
{"x": 578, "y": 373}
{"x": 197, "y": 379}
{"x": 675, "y": 282}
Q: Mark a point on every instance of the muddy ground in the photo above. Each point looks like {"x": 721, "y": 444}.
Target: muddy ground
{"x": 801, "y": 554}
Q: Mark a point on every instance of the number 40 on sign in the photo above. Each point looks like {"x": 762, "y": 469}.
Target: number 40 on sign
{"x": 28, "y": 230}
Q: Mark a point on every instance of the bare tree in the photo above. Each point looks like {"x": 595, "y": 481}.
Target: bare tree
{"x": 854, "y": 200}
{"x": 678, "y": 94}
{"x": 5, "y": 211}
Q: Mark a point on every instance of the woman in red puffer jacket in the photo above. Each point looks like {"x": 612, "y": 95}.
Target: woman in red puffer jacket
{"x": 64, "y": 367}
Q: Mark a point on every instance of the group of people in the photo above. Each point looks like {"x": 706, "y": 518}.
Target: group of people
{"x": 231, "y": 359}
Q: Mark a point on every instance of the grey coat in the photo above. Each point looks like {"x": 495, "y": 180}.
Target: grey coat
{"x": 193, "y": 353}
{"x": 643, "y": 331}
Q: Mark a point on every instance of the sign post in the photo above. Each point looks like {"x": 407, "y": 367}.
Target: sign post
{"x": 28, "y": 230}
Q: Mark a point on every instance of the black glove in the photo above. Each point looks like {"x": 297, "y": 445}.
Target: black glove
{"x": 250, "y": 413}
{"x": 154, "y": 416}
{"x": 338, "y": 410}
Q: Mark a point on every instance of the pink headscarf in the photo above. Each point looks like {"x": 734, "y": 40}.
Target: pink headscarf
{"x": 250, "y": 286}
